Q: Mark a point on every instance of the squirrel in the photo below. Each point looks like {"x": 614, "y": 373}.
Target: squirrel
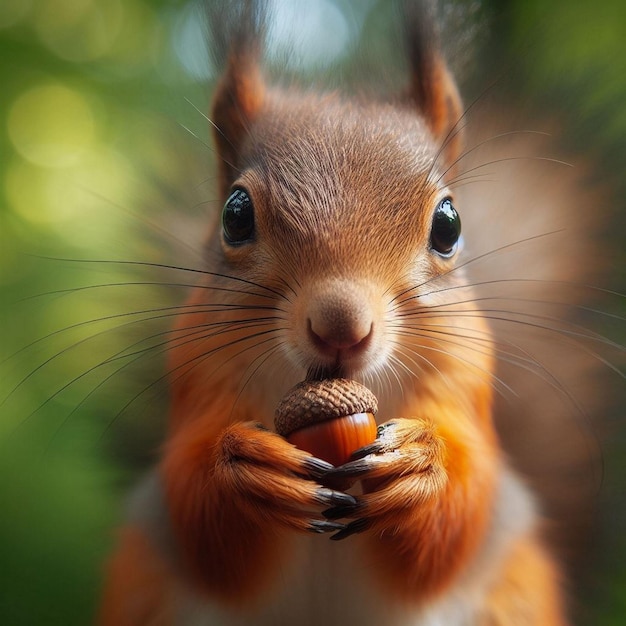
{"x": 338, "y": 252}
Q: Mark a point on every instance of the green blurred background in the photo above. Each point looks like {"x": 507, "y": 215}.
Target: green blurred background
{"x": 104, "y": 157}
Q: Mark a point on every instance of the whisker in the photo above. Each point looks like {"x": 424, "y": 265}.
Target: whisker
{"x": 509, "y": 281}
{"x": 143, "y": 219}
{"x": 416, "y": 353}
{"x": 209, "y": 147}
{"x": 536, "y": 367}
{"x": 527, "y": 362}
{"x": 71, "y": 290}
{"x": 411, "y": 373}
{"x": 483, "y": 341}
{"x": 194, "y": 362}
{"x": 394, "y": 364}
{"x": 167, "y": 267}
{"x": 491, "y": 314}
{"x": 578, "y": 345}
{"x": 463, "y": 181}
{"x": 514, "y": 158}
{"x": 124, "y": 354}
{"x": 176, "y": 313}
{"x": 216, "y": 127}
{"x": 247, "y": 377}
{"x": 485, "y": 142}
{"x": 385, "y": 372}
{"x": 176, "y": 310}
{"x": 456, "y": 268}
{"x": 556, "y": 303}
{"x": 469, "y": 364}
{"x": 138, "y": 355}
{"x": 458, "y": 127}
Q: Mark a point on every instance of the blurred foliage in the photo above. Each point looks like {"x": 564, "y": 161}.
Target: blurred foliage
{"x": 104, "y": 157}
{"x": 567, "y": 61}
{"x": 92, "y": 163}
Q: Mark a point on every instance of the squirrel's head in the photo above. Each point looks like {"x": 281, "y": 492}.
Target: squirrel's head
{"x": 345, "y": 203}
{"x": 340, "y": 205}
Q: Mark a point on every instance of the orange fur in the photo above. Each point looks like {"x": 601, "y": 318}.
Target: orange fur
{"x": 430, "y": 541}
{"x": 139, "y": 586}
{"x": 215, "y": 484}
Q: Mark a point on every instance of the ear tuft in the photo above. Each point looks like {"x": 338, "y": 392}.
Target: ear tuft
{"x": 238, "y": 99}
{"x": 432, "y": 88}
{"x": 238, "y": 33}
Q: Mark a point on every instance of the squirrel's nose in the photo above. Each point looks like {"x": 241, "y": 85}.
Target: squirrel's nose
{"x": 331, "y": 339}
{"x": 340, "y": 321}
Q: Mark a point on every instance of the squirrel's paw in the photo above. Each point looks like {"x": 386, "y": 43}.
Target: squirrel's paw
{"x": 400, "y": 471}
{"x": 272, "y": 482}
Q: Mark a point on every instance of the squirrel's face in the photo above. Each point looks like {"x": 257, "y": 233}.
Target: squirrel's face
{"x": 346, "y": 216}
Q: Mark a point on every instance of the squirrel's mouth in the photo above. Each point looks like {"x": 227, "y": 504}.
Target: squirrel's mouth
{"x": 342, "y": 366}
{"x": 323, "y": 372}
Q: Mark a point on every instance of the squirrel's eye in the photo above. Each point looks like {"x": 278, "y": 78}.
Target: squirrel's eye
{"x": 238, "y": 218}
{"x": 446, "y": 229}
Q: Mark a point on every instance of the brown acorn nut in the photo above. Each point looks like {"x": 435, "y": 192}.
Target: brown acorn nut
{"x": 328, "y": 418}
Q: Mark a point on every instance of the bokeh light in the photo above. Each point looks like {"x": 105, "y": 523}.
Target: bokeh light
{"x": 79, "y": 30}
{"x": 324, "y": 40}
{"x": 52, "y": 125}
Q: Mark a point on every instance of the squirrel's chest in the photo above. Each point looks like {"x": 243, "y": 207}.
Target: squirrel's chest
{"x": 327, "y": 583}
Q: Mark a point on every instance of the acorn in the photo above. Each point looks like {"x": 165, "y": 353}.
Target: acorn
{"x": 328, "y": 418}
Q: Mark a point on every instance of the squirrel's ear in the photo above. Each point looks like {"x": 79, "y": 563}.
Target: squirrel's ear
{"x": 432, "y": 88}
{"x": 236, "y": 104}
{"x": 240, "y": 93}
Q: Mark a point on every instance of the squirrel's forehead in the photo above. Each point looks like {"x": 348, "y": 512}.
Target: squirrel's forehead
{"x": 335, "y": 170}
{"x": 345, "y": 134}
{"x": 353, "y": 161}
{"x": 315, "y": 207}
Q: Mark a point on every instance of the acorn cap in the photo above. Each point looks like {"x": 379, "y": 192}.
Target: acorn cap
{"x": 313, "y": 401}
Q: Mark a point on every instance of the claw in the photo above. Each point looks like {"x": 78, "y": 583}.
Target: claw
{"x": 380, "y": 431}
{"x": 338, "y": 512}
{"x": 317, "y": 468}
{"x": 336, "y": 498}
{"x": 325, "y": 526}
{"x": 357, "y": 526}
{"x": 351, "y": 469}
{"x": 376, "y": 447}
{"x": 372, "y": 448}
